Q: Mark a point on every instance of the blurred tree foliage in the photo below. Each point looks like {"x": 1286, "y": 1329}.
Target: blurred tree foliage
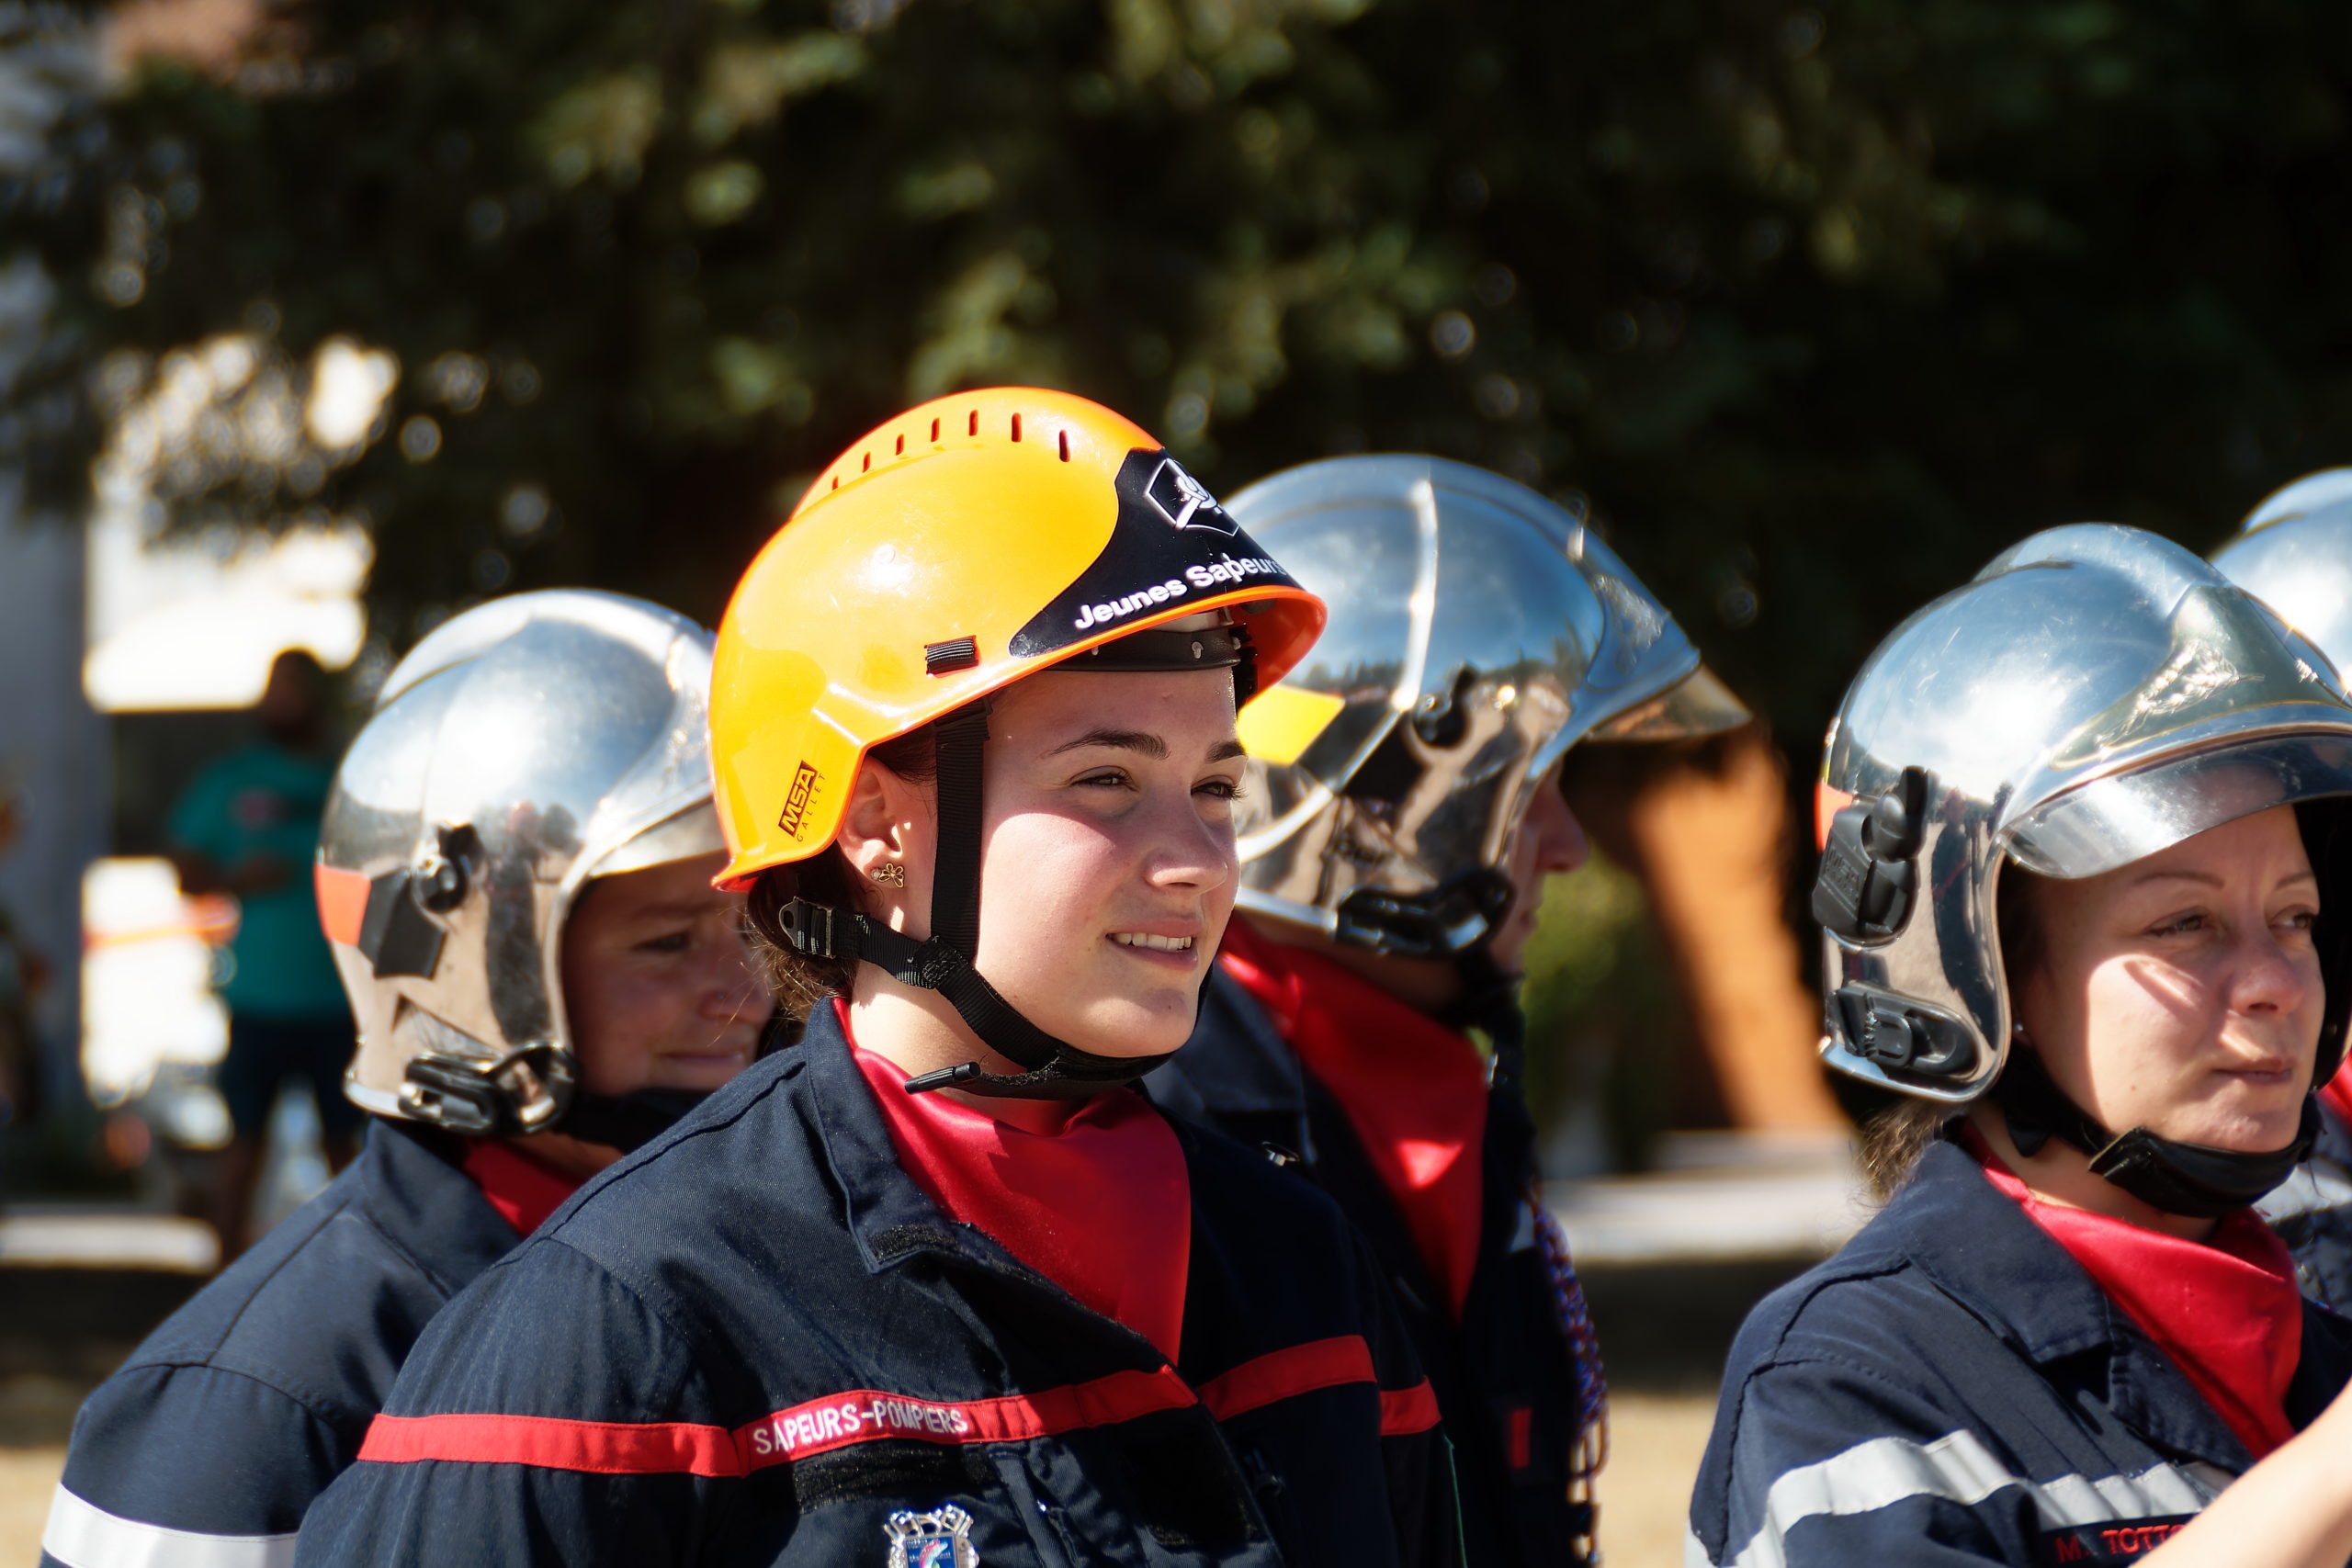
{"x": 1815, "y": 308}
{"x": 1606, "y": 1038}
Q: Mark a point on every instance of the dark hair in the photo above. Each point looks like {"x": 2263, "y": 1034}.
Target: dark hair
{"x": 799, "y": 983}
{"x": 1893, "y": 1140}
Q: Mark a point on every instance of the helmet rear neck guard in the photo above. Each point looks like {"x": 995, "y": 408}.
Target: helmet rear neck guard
{"x": 945, "y": 961}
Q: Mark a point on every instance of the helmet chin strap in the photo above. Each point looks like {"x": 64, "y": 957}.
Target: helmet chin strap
{"x": 1054, "y": 1069}
{"x": 627, "y": 1121}
{"x": 1490, "y": 1003}
{"x": 2192, "y": 1180}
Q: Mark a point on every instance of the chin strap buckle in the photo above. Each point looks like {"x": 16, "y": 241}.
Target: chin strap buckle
{"x": 525, "y": 1090}
{"x": 817, "y": 930}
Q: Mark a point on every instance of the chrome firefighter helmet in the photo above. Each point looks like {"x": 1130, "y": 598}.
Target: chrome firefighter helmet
{"x": 1476, "y": 632}
{"x": 2295, "y": 555}
{"x": 520, "y": 749}
{"x": 2095, "y": 696}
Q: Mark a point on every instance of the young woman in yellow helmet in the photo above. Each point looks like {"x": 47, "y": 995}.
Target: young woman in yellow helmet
{"x": 936, "y": 1287}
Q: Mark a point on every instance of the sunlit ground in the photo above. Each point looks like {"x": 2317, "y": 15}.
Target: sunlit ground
{"x": 26, "y": 1477}
{"x": 1654, "y": 1443}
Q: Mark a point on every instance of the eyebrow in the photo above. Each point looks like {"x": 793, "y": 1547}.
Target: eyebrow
{"x": 1149, "y": 745}
{"x": 1144, "y": 744}
{"x": 681, "y": 909}
{"x": 2209, "y": 879}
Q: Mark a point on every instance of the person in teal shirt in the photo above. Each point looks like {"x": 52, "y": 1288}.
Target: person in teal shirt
{"x": 248, "y": 825}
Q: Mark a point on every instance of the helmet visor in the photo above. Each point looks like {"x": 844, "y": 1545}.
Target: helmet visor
{"x": 2113, "y": 821}
{"x": 692, "y": 832}
{"x": 1700, "y": 704}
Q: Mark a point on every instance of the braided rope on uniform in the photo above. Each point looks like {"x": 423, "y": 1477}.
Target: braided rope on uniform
{"x": 1575, "y": 1322}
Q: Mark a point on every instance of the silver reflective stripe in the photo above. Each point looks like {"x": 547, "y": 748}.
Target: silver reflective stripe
{"x": 1959, "y": 1469}
{"x": 2316, "y": 1187}
{"x": 82, "y": 1536}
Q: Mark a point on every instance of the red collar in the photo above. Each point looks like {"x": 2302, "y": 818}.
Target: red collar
{"x": 1414, "y": 1091}
{"x": 523, "y": 1191}
{"x": 1103, "y": 1208}
{"x": 2228, "y": 1312}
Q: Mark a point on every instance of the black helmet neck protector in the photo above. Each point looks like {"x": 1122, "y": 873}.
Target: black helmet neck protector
{"x": 628, "y": 1121}
{"x": 1053, "y": 1069}
{"x": 2194, "y": 1179}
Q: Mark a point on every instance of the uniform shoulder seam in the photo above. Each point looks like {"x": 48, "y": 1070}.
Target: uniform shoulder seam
{"x": 326, "y": 1218}
{"x": 320, "y": 1408}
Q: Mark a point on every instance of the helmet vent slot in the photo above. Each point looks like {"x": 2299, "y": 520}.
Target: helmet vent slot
{"x": 902, "y": 444}
{"x": 934, "y": 430}
{"x": 1064, "y": 443}
{"x": 865, "y": 463}
{"x": 946, "y": 658}
{"x": 1016, "y": 427}
{"x": 974, "y": 428}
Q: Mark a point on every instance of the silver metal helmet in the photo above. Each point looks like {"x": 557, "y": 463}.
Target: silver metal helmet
{"x": 2095, "y": 696}
{"x": 523, "y": 748}
{"x": 1476, "y": 632}
{"x": 2295, "y": 555}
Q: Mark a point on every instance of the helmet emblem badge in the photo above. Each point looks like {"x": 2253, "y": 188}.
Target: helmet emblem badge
{"x": 1183, "y": 501}
{"x": 2189, "y": 677}
{"x": 937, "y": 1537}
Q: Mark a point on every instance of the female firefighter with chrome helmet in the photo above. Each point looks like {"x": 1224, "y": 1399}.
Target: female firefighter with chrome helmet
{"x": 1404, "y": 812}
{"x": 514, "y": 876}
{"x": 2082, "y": 889}
{"x": 934, "y": 1285}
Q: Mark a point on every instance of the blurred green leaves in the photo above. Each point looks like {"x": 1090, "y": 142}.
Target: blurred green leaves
{"x": 1812, "y": 307}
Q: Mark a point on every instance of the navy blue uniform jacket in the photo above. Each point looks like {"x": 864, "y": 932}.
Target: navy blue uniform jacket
{"x": 1504, "y": 1376}
{"x": 207, "y": 1445}
{"x": 2312, "y": 1211}
{"x": 757, "y": 1341}
{"x": 1952, "y": 1388}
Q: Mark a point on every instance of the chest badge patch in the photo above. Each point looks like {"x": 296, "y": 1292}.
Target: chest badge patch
{"x": 937, "y": 1537}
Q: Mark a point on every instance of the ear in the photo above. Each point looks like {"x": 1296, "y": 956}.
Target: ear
{"x": 889, "y": 824}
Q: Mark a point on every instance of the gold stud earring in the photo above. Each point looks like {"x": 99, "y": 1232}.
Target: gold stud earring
{"x": 891, "y": 874}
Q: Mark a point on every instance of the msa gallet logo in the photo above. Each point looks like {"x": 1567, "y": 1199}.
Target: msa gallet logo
{"x": 937, "y": 1537}
{"x": 804, "y": 780}
{"x": 1184, "y": 501}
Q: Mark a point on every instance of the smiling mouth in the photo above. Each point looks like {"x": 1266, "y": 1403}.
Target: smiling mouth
{"x": 1155, "y": 943}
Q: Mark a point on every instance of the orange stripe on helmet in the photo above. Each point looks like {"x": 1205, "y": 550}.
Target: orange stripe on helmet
{"x": 342, "y": 902}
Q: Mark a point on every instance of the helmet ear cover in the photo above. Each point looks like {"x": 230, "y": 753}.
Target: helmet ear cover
{"x": 2326, "y": 827}
{"x": 1869, "y": 877}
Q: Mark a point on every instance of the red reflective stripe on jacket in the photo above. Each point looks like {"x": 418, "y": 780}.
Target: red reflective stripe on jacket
{"x": 868, "y": 1416}
{"x": 608, "y": 1447}
{"x": 1303, "y": 1368}
{"x": 1282, "y": 1374}
{"x": 1404, "y": 1411}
